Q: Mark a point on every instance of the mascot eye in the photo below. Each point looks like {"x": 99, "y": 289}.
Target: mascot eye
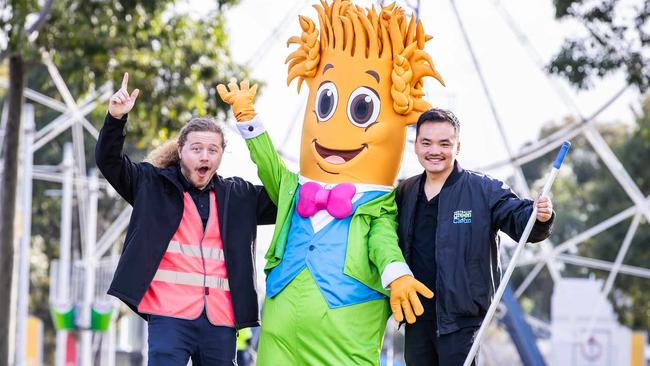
{"x": 326, "y": 100}
{"x": 363, "y": 107}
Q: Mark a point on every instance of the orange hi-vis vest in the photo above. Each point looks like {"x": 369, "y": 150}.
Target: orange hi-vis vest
{"x": 192, "y": 274}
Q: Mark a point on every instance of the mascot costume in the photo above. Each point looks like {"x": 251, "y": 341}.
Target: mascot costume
{"x": 334, "y": 257}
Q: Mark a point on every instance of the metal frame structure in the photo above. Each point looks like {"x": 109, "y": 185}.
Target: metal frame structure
{"x": 72, "y": 175}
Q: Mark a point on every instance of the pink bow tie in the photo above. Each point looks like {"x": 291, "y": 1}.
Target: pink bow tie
{"x": 337, "y": 201}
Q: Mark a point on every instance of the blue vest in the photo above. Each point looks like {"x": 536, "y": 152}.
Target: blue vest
{"x": 324, "y": 254}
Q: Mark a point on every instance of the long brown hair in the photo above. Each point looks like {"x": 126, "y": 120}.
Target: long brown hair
{"x": 167, "y": 154}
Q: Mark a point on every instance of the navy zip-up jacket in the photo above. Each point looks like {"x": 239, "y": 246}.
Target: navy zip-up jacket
{"x": 157, "y": 198}
{"x": 472, "y": 208}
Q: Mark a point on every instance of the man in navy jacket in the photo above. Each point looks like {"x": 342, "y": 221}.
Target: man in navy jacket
{"x": 448, "y": 223}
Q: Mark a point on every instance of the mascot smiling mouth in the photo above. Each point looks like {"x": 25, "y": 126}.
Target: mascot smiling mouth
{"x": 337, "y": 157}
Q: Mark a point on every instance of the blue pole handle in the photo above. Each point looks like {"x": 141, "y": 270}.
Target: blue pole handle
{"x": 560, "y": 155}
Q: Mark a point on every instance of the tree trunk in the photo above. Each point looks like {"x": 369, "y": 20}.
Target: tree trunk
{"x": 8, "y": 196}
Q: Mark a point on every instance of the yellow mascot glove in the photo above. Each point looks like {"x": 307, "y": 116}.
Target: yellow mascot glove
{"x": 240, "y": 99}
{"x": 404, "y": 299}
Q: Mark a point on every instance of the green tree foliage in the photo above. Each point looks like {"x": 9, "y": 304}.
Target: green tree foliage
{"x": 616, "y": 38}
{"x": 175, "y": 60}
{"x": 585, "y": 194}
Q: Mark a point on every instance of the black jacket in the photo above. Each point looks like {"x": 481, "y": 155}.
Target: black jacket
{"x": 472, "y": 208}
{"x": 157, "y": 199}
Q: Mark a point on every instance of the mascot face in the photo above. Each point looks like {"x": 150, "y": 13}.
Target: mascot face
{"x": 365, "y": 86}
{"x": 351, "y": 132}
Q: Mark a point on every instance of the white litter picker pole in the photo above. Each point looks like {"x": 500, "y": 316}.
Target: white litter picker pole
{"x": 513, "y": 260}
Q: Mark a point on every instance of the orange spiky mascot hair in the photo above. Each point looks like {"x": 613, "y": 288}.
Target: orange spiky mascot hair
{"x": 334, "y": 251}
{"x": 362, "y": 33}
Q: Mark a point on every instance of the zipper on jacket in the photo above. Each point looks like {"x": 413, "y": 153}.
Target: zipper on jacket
{"x": 223, "y": 225}
{"x": 206, "y": 290}
{"x": 498, "y": 241}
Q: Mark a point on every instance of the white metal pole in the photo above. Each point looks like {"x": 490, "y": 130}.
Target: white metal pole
{"x": 89, "y": 262}
{"x": 22, "y": 309}
{"x": 617, "y": 169}
{"x": 77, "y": 137}
{"x": 109, "y": 340}
{"x": 63, "y": 274}
{"x": 603, "y": 265}
{"x": 145, "y": 343}
{"x": 513, "y": 260}
{"x": 609, "y": 283}
{"x": 113, "y": 328}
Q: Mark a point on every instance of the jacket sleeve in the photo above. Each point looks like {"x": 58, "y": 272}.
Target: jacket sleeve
{"x": 114, "y": 164}
{"x": 510, "y": 213}
{"x": 266, "y": 209}
{"x": 270, "y": 167}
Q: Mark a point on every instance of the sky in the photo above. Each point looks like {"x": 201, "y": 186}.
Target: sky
{"x": 525, "y": 98}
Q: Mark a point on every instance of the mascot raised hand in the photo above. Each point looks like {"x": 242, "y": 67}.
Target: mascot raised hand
{"x": 334, "y": 268}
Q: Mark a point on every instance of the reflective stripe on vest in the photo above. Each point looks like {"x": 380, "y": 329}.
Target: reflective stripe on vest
{"x": 195, "y": 251}
{"x": 192, "y": 279}
{"x": 192, "y": 273}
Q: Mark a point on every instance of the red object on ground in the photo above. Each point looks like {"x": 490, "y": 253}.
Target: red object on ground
{"x": 71, "y": 350}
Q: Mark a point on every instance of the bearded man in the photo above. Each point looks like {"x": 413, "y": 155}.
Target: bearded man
{"x": 187, "y": 265}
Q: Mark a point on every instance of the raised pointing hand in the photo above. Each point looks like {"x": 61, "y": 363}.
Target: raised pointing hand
{"x": 121, "y": 102}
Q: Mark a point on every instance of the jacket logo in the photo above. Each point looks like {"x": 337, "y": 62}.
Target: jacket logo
{"x": 462, "y": 217}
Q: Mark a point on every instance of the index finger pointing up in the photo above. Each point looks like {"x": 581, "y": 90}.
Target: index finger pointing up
{"x": 125, "y": 80}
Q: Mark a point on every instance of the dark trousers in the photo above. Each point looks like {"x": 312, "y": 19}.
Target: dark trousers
{"x": 244, "y": 358}
{"x": 172, "y": 342}
{"x": 424, "y": 348}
